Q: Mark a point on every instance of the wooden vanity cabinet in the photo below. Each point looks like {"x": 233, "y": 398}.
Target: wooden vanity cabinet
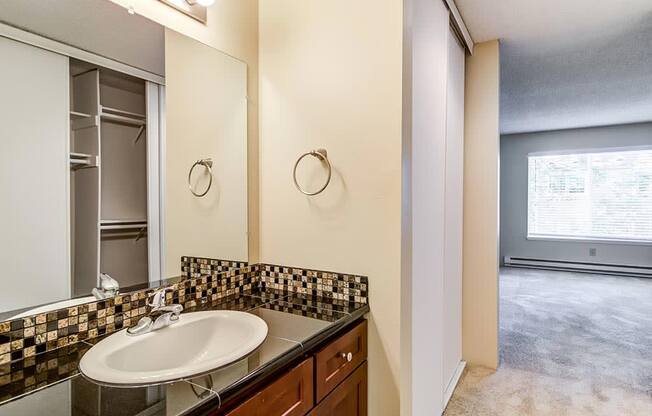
{"x": 330, "y": 382}
{"x": 348, "y": 399}
{"x": 336, "y": 361}
{"x": 290, "y": 395}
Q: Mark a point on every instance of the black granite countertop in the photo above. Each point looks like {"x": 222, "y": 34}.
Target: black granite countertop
{"x": 51, "y": 383}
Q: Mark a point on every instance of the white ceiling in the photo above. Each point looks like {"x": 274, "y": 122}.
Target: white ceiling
{"x": 568, "y": 63}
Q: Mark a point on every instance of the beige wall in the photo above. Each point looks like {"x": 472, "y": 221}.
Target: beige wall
{"x": 233, "y": 29}
{"x": 330, "y": 76}
{"x": 481, "y": 182}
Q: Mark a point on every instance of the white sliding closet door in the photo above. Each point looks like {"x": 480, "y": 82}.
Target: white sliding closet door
{"x": 34, "y": 247}
{"x": 454, "y": 210}
{"x": 427, "y": 314}
{"x": 432, "y": 246}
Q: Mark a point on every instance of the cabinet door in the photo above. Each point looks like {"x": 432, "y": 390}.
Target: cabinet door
{"x": 348, "y": 399}
{"x": 339, "y": 358}
{"x": 290, "y": 395}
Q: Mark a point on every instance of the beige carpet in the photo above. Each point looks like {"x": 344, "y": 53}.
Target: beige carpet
{"x": 571, "y": 345}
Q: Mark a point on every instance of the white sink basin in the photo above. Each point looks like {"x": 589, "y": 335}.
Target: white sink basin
{"x": 198, "y": 343}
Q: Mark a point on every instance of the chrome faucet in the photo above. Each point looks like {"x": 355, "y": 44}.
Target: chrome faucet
{"x": 160, "y": 316}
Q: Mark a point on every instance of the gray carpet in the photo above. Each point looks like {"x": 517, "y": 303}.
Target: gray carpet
{"x": 570, "y": 344}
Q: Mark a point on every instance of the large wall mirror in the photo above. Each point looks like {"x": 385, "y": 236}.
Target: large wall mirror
{"x": 123, "y": 149}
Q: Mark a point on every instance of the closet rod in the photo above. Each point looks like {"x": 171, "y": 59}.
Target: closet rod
{"x": 82, "y": 160}
{"x": 122, "y": 227}
{"x": 137, "y": 233}
{"x": 129, "y": 221}
{"x": 119, "y": 112}
{"x": 74, "y": 115}
{"x": 122, "y": 119}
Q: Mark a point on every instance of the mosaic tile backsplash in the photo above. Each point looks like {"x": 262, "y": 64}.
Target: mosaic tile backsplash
{"x": 200, "y": 266}
{"x": 340, "y": 286}
{"x": 203, "y": 280}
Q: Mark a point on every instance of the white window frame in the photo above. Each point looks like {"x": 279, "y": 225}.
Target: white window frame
{"x": 579, "y": 239}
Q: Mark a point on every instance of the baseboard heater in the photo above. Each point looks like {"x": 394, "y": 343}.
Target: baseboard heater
{"x": 579, "y": 266}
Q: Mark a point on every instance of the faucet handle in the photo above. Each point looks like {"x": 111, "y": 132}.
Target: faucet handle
{"x": 143, "y": 326}
{"x": 158, "y": 298}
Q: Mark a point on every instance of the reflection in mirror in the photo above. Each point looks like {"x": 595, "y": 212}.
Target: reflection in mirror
{"x": 78, "y": 396}
{"x": 200, "y": 127}
{"x": 104, "y": 114}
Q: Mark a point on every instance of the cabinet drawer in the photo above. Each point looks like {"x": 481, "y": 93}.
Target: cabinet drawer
{"x": 339, "y": 358}
{"x": 348, "y": 399}
{"x": 290, "y": 395}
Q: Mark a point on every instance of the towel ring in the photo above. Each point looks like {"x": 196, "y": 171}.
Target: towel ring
{"x": 208, "y": 164}
{"x": 320, "y": 154}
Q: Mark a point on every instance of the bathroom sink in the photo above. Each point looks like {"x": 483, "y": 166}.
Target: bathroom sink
{"x": 197, "y": 343}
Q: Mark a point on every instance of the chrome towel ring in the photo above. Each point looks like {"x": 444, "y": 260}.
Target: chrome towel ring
{"x": 320, "y": 154}
{"x": 208, "y": 164}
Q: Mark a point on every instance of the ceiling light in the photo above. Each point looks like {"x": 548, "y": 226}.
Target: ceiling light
{"x": 204, "y": 3}
{"x": 197, "y": 9}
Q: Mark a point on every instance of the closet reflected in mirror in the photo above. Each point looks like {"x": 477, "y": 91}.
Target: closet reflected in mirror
{"x": 108, "y": 199}
{"x": 104, "y": 113}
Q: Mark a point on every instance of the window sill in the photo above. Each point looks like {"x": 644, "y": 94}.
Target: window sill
{"x": 591, "y": 240}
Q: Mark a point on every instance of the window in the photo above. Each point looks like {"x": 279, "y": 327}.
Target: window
{"x": 603, "y": 195}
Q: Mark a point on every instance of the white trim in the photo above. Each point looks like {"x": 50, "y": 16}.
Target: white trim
{"x": 162, "y": 173}
{"x": 29, "y": 38}
{"x": 460, "y": 26}
{"x": 153, "y": 186}
{"x": 450, "y": 389}
{"x": 97, "y": 106}
{"x": 589, "y": 151}
{"x": 246, "y": 176}
{"x": 68, "y": 189}
{"x": 597, "y": 240}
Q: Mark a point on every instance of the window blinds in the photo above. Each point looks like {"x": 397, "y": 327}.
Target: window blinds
{"x": 601, "y": 195}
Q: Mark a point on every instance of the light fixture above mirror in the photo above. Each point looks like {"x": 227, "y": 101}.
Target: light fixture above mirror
{"x": 204, "y": 3}
{"x": 193, "y": 8}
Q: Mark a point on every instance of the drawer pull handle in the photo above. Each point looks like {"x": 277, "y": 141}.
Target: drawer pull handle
{"x": 347, "y": 356}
